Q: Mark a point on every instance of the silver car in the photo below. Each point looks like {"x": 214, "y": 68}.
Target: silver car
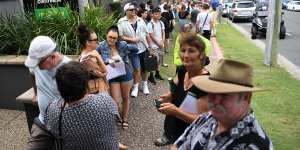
{"x": 242, "y": 10}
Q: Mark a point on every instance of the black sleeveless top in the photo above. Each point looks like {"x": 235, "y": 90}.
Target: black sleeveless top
{"x": 173, "y": 126}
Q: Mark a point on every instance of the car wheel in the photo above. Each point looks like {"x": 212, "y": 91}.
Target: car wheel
{"x": 233, "y": 20}
{"x": 253, "y": 32}
{"x": 282, "y": 32}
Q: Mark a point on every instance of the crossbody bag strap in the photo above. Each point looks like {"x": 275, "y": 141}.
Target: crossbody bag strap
{"x": 204, "y": 22}
{"x": 60, "y": 140}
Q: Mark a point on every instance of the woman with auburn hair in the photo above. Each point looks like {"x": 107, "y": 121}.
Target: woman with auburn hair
{"x": 178, "y": 117}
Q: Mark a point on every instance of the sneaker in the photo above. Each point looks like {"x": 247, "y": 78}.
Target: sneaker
{"x": 158, "y": 76}
{"x": 151, "y": 79}
{"x": 145, "y": 88}
{"x": 163, "y": 141}
{"x": 135, "y": 90}
{"x": 165, "y": 65}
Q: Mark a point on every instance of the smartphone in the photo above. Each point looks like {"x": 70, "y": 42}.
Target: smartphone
{"x": 157, "y": 103}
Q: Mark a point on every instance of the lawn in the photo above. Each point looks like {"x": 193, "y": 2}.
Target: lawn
{"x": 277, "y": 109}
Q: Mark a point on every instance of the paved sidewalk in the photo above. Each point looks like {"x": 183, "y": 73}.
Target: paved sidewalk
{"x": 145, "y": 123}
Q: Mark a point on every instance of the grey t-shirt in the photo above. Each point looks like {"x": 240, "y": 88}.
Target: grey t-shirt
{"x": 88, "y": 125}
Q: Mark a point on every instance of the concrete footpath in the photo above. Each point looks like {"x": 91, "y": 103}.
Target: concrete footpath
{"x": 145, "y": 123}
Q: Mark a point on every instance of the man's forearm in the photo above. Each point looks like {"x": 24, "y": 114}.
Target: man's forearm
{"x": 32, "y": 77}
{"x": 127, "y": 39}
{"x": 173, "y": 147}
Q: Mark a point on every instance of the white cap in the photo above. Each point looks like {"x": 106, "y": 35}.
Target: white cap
{"x": 39, "y": 47}
{"x": 127, "y": 6}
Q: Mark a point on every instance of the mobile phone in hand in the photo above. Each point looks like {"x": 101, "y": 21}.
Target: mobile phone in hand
{"x": 157, "y": 103}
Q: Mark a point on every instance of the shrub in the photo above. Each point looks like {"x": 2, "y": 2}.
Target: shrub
{"x": 16, "y": 32}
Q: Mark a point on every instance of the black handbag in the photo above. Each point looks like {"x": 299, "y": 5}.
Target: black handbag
{"x": 57, "y": 141}
{"x": 150, "y": 62}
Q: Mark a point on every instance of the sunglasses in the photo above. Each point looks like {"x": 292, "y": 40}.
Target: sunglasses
{"x": 131, "y": 9}
{"x": 111, "y": 37}
{"x": 45, "y": 58}
{"x": 93, "y": 39}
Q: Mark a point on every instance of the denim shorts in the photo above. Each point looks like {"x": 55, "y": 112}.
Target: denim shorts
{"x": 124, "y": 78}
{"x": 135, "y": 61}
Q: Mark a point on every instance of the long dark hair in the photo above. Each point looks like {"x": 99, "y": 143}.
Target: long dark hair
{"x": 84, "y": 33}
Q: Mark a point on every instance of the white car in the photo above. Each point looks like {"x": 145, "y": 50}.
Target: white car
{"x": 226, "y": 7}
{"x": 293, "y": 5}
{"x": 242, "y": 10}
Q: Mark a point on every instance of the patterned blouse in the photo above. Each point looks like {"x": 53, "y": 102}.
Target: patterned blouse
{"x": 88, "y": 125}
{"x": 247, "y": 134}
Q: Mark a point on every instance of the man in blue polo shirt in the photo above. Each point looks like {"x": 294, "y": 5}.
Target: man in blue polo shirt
{"x": 43, "y": 60}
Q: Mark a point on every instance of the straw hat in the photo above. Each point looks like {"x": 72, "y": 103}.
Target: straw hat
{"x": 228, "y": 76}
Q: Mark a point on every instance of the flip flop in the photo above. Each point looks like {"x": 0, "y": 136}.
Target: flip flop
{"x": 120, "y": 122}
{"x": 125, "y": 125}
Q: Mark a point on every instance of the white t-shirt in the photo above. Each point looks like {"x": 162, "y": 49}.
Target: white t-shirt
{"x": 125, "y": 29}
{"x": 156, "y": 28}
{"x": 201, "y": 17}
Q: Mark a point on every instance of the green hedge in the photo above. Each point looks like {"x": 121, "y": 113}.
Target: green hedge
{"x": 16, "y": 32}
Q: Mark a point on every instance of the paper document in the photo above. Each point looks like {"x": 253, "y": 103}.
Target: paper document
{"x": 189, "y": 103}
{"x": 116, "y": 71}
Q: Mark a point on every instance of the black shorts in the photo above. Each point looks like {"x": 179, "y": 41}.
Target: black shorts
{"x": 142, "y": 56}
{"x": 167, "y": 34}
{"x": 206, "y": 34}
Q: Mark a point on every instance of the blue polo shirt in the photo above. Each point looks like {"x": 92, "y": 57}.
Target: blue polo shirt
{"x": 46, "y": 86}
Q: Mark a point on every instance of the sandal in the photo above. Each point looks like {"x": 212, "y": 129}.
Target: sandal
{"x": 122, "y": 146}
{"x": 125, "y": 125}
{"x": 163, "y": 141}
{"x": 119, "y": 122}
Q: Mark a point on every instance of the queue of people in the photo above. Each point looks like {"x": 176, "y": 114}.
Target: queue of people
{"x": 81, "y": 103}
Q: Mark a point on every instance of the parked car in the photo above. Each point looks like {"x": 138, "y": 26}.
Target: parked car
{"x": 260, "y": 21}
{"x": 226, "y": 7}
{"x": 284, "y": 4}
{"x": 293, "y": 5}
{"x": 242, "y": 10}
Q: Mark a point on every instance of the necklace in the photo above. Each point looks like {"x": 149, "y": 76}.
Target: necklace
{"x": 187, "y": 83}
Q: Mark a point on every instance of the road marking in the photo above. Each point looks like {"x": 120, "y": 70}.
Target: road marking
{"x": 288, "y": 34}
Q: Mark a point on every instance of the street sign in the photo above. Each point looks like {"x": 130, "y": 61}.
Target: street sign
{"x": 44, "y": 8}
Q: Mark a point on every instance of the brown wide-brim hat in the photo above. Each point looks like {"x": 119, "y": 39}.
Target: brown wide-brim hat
{"x": 228, "y": 76}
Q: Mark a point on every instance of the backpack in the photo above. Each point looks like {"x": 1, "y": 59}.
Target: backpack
{"x": 165, "y": 19}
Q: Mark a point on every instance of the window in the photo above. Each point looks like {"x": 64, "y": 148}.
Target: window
{"x": 245, "y": 5}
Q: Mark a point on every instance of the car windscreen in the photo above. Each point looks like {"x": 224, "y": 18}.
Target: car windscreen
{"x": 245, "y": 5}
{"x": 228, "y": 1}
